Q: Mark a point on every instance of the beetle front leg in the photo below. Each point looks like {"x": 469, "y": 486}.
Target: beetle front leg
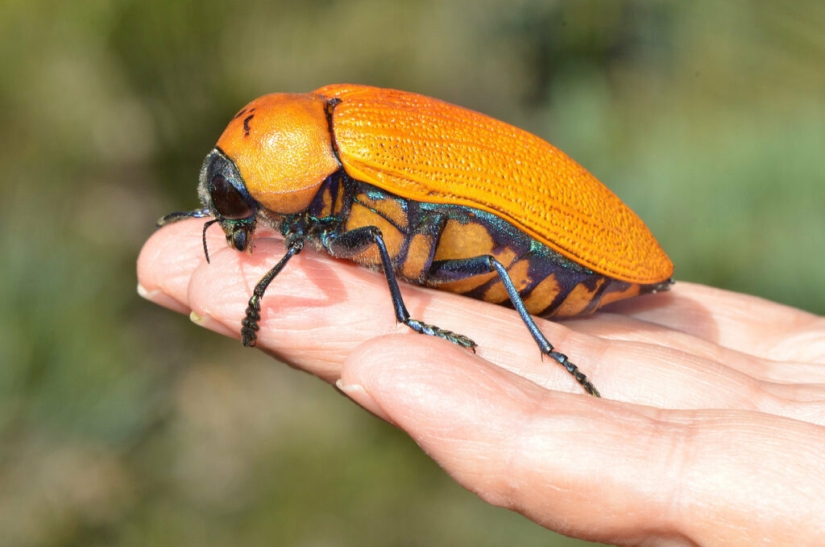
{"x": 352, "y": 243}
{"x": 451, "y": 270}
{"x": 249, "y": 329}
{"x": 180, "y": 215}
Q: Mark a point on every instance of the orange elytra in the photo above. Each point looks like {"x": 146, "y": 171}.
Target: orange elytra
{"x": 431, "y": 193}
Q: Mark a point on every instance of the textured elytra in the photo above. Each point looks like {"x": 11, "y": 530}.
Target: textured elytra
{"x": 427, "y": 150}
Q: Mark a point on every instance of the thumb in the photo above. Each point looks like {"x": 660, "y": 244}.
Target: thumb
{"x": 549, "y": 455}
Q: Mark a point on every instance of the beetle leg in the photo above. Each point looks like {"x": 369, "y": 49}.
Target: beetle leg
{"x": 180, "y": 215}
{"x": 449, "y": 270}
{"x": 355, "y": 241}
{"x": 253, "y": 310}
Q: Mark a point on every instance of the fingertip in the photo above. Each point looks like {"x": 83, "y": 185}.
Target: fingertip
{"x": 208, "y": 322}
{"x": 157, "y": 296}
{"x": 166, "y": 263}
{"x": 362, "y": 397}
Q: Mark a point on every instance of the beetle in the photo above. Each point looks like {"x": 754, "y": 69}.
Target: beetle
{"x": 429, "y": 193}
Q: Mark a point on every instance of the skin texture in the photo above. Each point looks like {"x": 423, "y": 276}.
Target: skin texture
{"x": 711, "y": 430}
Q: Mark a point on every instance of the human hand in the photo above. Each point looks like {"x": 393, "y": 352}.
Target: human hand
{"x": 710, "y": 431}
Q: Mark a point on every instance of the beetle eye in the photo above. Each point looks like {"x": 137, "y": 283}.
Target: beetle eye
{"x": 228, "y": 201}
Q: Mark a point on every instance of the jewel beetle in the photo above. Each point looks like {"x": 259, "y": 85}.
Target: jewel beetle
{"x": 429, "y": 193}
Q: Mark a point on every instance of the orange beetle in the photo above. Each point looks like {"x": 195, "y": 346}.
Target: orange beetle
{"x": 433, "y": 194}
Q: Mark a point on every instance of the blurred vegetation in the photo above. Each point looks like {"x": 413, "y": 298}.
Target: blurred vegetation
{"x": 122, "y": 424}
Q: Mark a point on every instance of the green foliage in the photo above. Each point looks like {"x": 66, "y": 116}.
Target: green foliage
{"x": 122, "y": 425}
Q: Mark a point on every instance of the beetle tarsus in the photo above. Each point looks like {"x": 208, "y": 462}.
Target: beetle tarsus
{"x": 432, "y": 330}
{"x": 249, "y": 338}
{"x": 249, "y": 326}
{"x": 574, "y": 370}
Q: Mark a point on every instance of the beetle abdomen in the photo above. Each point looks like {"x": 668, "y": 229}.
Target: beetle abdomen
{"x": 433, "y": 244}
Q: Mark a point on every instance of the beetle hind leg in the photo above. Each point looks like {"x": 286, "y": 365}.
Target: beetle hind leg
{"x": 450, "y": 270}
{"x": 580, "y": 377}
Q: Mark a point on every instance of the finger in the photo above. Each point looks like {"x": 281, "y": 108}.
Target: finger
{"x": 664, "y": 369}
{"x": 168, "y": 259}
{"x": 792, "y": 381}
{"x": 316, "y": 311}
{"x": 781, "y": 346}
{"x": 319, "y": 309}
{"x": 741, "y": 322}
{"x": 598, "y": 470}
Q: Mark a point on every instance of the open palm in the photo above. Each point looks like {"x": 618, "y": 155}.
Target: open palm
{"x": 710, "y": 431}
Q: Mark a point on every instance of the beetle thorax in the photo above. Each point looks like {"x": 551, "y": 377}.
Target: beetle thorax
{"x": 282, "y": 147}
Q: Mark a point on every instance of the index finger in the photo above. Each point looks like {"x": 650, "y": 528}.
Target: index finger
{"x": 319, "y": 310}
{"x": 741, "y": 322}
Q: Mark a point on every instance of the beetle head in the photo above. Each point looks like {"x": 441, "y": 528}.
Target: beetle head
{"x": 223, "y": 192}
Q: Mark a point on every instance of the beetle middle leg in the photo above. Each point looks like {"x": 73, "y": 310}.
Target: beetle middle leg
{"x": 349, "y": 244}
{"x": 450, "y": 270}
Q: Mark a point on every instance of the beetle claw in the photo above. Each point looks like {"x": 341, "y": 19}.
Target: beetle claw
{"x": 248, "y": 337}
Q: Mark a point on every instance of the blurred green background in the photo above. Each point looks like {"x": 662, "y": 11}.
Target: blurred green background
{"x": 123, "y": 424}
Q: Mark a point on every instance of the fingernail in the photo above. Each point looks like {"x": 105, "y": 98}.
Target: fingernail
{"x": 160, "y": 298}
{"x": 201, "y": 320}
{"x": 152, "y": 296}
{"x": 208, "y": 322}
{"x": 360, "y": 395}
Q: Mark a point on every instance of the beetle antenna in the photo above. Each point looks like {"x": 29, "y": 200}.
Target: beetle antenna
{"x": 205, "y": 248}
